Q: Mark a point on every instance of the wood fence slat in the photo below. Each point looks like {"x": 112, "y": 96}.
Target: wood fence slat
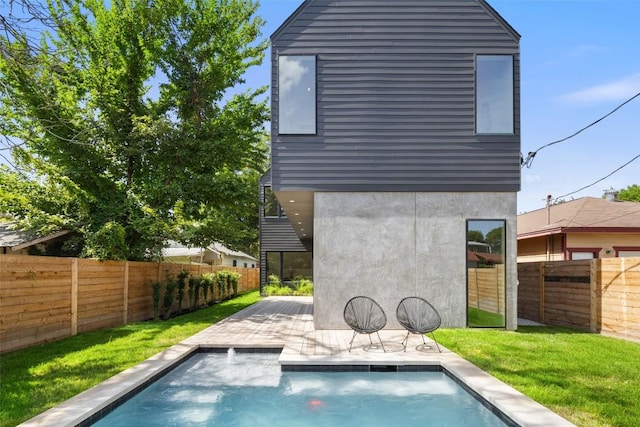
{"x": 601, "y": 295}
{"x": 48, "y": 298}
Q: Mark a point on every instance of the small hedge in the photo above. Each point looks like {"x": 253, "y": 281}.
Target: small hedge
{"x": 299, "y": 287}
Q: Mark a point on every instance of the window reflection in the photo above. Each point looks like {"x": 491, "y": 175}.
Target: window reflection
{"x": 297, "y": 95}
{"x": 289, "y": 266}
{"x": 486, "y": 275}
{"x": 494, "y": 94}
{"x": 271, "y": 206}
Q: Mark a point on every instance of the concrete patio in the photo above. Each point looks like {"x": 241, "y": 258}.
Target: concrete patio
{"x": 287, "y": 323}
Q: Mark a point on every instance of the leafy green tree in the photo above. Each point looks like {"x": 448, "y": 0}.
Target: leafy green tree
{"x": 630, "y": 194}
{"x": 475, "y": 236}
{"x": 242, "y": 209}
{"x": 495, "y": 239}
{"x": 126, "y": 124}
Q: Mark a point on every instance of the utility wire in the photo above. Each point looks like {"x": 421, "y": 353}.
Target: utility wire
{"x": 601, "y": 179}
{"x": 529, "y": 160}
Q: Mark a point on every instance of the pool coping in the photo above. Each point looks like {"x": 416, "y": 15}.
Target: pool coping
{"x": 515, "y": 406}
{"x": 287, "y": 323}
{"x": 90, "y": 405}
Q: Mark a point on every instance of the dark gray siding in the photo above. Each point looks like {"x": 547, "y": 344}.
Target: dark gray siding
{"x": 395, "y": 98}
{"x": 276, "y": 234}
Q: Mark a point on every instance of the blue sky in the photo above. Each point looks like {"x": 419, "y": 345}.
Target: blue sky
{"x": 579, "y": 60}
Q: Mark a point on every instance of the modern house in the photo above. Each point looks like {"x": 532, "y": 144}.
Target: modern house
{"x": 395, "y": 133}
{"x": 584, "y": 228}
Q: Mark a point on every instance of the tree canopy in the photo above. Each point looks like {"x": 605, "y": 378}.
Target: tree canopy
{"x": 126, "y": 123}
{"x": 630, "y": 194}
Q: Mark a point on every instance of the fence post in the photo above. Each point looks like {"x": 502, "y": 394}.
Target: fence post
{"x": 541, "y": 302}
{"x": 596, "y": 295}
{"x": 74, "y": 296}
{"x": 125, "y": 311}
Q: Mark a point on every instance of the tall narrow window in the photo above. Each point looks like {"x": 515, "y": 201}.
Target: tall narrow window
{"x": 494, "y": 94}
{"x": 297, "y": 94}
{"x": 486, "y": 274}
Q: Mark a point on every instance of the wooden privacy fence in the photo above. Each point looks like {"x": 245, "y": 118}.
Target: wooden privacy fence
{"x": 48, "y": 298}
{"x": 600, "y": 295}
{"x": 486, "y": 288}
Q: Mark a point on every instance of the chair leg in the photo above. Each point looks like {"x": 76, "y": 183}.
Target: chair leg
{"x": 351, "y": 342}
{"x": 405, "y": 342}
{"x": 383, "y": 349}
{"x": 434, "y": 340}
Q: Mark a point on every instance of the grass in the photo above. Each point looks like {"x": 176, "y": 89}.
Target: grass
{"x": 477, "y": 317}
{"x": 38, "y": 378}
{"x": 588, "y": 379}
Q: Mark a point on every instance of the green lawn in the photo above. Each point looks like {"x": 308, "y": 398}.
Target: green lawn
{"x": 38, "y": 378}
{"x": 480, "y": 318}
{"x": 589, "y": 379}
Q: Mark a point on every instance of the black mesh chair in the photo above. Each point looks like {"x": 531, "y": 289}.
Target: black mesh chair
{"x": 364, "y": 316}
{"x": 418, "y": 316}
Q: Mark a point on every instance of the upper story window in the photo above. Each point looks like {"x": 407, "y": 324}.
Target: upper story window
{"x": 297, "y": 95}
{"x": 271, "y": 206}
{"x": 494, "y": 94}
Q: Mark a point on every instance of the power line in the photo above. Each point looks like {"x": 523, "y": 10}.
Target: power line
{"x": 601, "y": 179}
{"x": 529, "y": 160}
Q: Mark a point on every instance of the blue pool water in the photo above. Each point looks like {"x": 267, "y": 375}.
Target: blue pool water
{"x": 249, "y": 389}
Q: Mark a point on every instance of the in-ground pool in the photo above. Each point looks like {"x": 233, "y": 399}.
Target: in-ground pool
{"x": 251, "y": 389}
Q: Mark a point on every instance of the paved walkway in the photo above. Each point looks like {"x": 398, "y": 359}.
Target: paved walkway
{"x": 287, "y": 322}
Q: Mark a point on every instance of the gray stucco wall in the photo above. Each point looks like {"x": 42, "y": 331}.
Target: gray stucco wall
{"x": 389, "y": 245}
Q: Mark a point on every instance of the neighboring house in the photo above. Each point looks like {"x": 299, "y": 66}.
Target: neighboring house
{"x": 585, "y": 228}
{"x": 231, "y": 258}
{"x": 393, "y": 128}
{"x": 181, "y": 254}
{"x": 215, "y": 254}
{"x": 479, "y": 254}
{"x": 18, "y": 242}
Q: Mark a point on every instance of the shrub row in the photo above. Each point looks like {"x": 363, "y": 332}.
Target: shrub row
{"x": 169, "y": 295}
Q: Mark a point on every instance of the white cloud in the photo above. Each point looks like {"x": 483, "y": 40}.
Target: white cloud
{"x": 291, "y": 72}
{"x": 618, "y": 90}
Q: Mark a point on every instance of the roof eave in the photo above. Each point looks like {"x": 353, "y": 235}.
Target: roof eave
{"x": 28, "y": 243}
{"x": 291, "y": 17}
{"x": 516, "y": 35}
{"x": 565, "y": 230}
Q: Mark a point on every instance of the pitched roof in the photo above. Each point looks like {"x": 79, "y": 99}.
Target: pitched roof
{"x": 178, "y": 249}
{"x": 17, "y": 239}
{"x": 482, "y": 3}
{"x": 486, "y": 258}
{"x": 10, "y": 237}
{"x": 584, "y": 214}
{"x": 220, "y": 248}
